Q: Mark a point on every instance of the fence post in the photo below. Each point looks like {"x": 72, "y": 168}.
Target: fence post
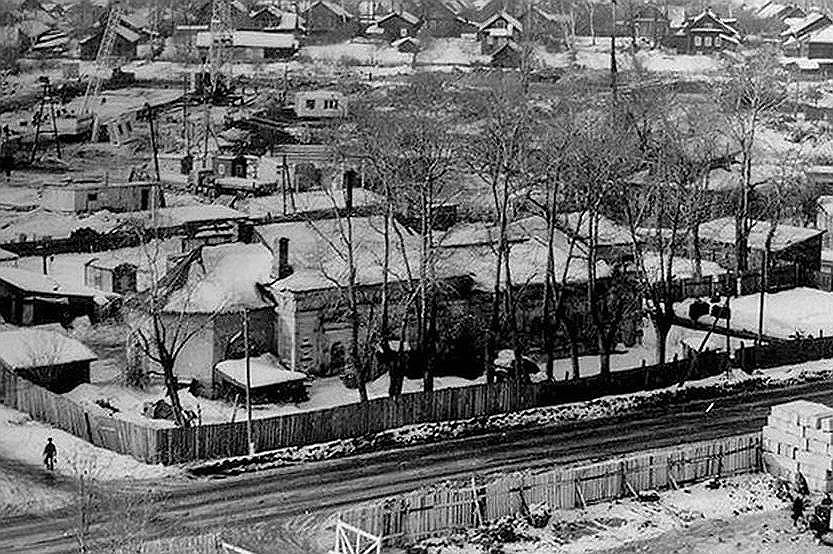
{"x": 645, "y": 370}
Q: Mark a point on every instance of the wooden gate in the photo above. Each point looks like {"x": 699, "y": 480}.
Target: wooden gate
{"x": 352, "y": 540}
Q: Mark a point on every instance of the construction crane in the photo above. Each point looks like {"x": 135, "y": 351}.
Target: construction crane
{"x": 103, "y": 62}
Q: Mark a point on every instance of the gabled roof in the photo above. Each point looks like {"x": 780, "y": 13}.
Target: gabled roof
{"x": 799, "y": 27}
{"x": 770, "y": 9}
{"x": 32, "y": 348}
{"x": 400, "y": 41}
{"x": 406, "y": 16}
{"x": 6, "y": 256}
{"x": 708, "y": 14}
{"x": 37, "y": 283}
{"x": 506, "y": 17}
{"x": 822, "y": 36}
{"x": 722, "y": 230}
{"x": 333, "y": 7}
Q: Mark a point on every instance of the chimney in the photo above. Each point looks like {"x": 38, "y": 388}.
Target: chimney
{"x": 283, "y": 269}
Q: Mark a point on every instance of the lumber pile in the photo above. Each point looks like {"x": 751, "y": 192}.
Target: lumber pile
{"x": 798, "y": 437}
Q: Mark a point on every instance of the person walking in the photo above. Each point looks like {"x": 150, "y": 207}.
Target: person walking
{"x": 49, "y": 454}
{"x": 797, "y": 509}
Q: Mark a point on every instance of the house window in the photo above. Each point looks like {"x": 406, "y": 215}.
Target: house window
{"x": 717, "y": 42}
{"x": 337, "y": 358}
{"x": 707, "y": 41}
{"x": 403, "y": 32}
{"x": 310, "y": 104}
{"x": 92, "y": 197}
{"x": 698, "y": 41}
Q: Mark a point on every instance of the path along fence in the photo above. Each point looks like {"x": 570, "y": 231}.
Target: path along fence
{"x": 156, "y": 444}
{"x": 420, "y": 514}
{"x": 175, "y": 445}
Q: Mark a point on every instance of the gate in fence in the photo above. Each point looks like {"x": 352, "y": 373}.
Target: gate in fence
{"x": 352, "y": 540}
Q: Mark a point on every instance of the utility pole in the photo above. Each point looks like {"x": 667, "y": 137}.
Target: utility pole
{"x": 153, "y": 145}
{"x": 248, "y": 382}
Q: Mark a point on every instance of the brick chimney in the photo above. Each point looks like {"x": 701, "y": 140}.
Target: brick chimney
{"x": 281, "y": 267}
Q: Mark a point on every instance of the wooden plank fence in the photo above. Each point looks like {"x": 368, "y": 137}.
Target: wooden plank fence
{"x": 420, "y": 514}
{"x": 115, "y": 434}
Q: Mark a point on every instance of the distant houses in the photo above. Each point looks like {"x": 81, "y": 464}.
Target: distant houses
{"x": 705, "y": 33}
{"x": 800, "y": 31}
{"x": 323, "y": 17}
{"x": 397, "y": 25}
{"x": 497, "y": 31}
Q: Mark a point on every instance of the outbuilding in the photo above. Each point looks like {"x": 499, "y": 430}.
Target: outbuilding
{"x": 46, "y": 358}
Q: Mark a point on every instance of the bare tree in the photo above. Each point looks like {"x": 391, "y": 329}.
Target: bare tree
{"x": 746, "y": 98}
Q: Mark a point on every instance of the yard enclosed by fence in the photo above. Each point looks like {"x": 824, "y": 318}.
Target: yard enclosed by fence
{"x": 414, "y": 516}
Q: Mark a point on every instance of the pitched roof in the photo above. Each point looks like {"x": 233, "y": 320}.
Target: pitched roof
{"x": 6, "y": 256}
{"x": 708, "y": 13}
{"x": 609, "y": 233}
{"x": 502, "y": 15}
{"x": 407, "y": 16}
{"x": 37, "y": 283}
{"x": 32, "y": 347}
{"x": 317, "y": 253}
{"x": 822, "y": 36}
{"x": 223, "y": 278}
{"x": 722, "y": 230}
{"x": 799, "y": 26}
{"x": 333, "y": 7}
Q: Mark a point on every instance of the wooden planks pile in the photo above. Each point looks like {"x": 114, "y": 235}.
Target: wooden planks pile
{"x": 798, "y": 437}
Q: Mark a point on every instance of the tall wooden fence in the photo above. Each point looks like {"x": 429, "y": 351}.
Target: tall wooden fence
{"x": 784, "y": 353}
{"x": 414, "y": 516}
{"x": 355, "y": 420}
{"x": 120, "y": 436}
{"x": 779, "y": 278}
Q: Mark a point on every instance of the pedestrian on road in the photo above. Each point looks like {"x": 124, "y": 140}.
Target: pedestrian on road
{"x": 798, "y": 509}
{"x": 49, "y": 454}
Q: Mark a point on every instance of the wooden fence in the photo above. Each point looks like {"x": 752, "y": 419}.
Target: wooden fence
{"x": 784, "y": 353}
{"x": 355, "y": 420}
{"x": 108, "y": 432}
{"x": 414, "y": 516}
{"x": 779, "y": 278}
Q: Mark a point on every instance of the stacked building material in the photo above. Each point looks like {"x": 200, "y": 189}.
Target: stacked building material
{"x": 798, "y": 437}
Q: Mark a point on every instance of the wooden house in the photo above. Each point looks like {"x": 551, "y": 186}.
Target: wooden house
{"x": 46, "y": 358}
{"x": 328, "y": 18}
{"x": 820, "y": 45}
{"x": 796, "y": 36}
{"x": 396, "y": 25}
{"x": 791, "y": 245}
{"x": 497, "y": 31}
{"x": 441, "y": 18}
{"x": 125, "y": 47}
{"x": 85, "y": 197}
{"x": 650, "y": 22}
{"x": 254, "y": 45}
{"x": 508, "y": 55}
{"x": 29, "y": 298}
{"x": 704, "y": 34}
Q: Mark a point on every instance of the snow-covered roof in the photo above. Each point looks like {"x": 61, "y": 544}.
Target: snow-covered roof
{"x": 33, "y": 347}
{"x": 6, "y": 256}
{"x": 264, "y": 371}
{"x": 179, "y": 215}
{"x": 54, "y": 42}
{"x": 822, "y": 36}
{"x": 224, "y": 279}
{"x": 510, "y": 21}
{"x": 127, "y": 34}
{"x": 797, "y": 26}
{"x": 406, "y": 16}
{"x": 682, "y": 268}
{"x": 771, "y": 9}
{"x": 676, "y": 16}
{"x": 722, "y": 230}
{"x": 608, "y": 232}
{"x": 317, "y": 252}
{"x": 400, "y": 41}
{"x": 333, "y": 7}
{"x": 252, "y": 39}
{"x": 37, "y": 283}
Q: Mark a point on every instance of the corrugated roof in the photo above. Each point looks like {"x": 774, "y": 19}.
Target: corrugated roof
{"x": 32, "y": 347}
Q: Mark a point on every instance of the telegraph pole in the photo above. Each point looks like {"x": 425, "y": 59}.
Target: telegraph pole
{"x": 248, "y": 382}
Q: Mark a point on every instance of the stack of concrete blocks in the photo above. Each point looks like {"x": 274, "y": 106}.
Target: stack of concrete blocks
{"x": 798, "y": 437}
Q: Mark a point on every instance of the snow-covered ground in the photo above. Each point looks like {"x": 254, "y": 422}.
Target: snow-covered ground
{"x": 611, "y": 526}
{"x": 805, "y": 310}
{"x": 25, "y": 487}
